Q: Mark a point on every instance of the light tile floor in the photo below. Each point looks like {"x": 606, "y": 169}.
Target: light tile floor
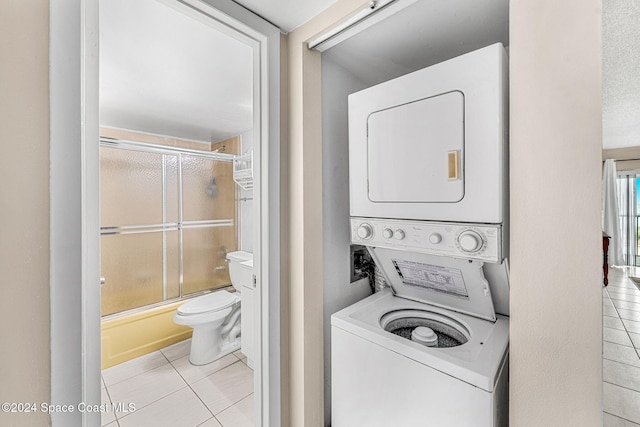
{"x": 621, "y": 349}
{"x": 167, "y": 390}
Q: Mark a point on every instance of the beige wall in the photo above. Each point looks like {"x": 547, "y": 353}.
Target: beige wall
{"x": 304, "y": 213}
{"x": 24, "y": 217}
{"x": 555, "y": 377}
{"x": 556, "y": 309}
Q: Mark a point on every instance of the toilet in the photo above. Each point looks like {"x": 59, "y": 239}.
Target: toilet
{"x": 215, "y": 317}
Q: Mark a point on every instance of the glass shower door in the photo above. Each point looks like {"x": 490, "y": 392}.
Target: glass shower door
{"x": 167, "y": 222}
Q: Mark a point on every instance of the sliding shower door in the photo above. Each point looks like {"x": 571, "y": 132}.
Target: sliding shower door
{"x": 168, "y": 220}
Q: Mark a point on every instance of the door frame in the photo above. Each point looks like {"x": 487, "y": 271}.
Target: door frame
{"x": 74, "y": 214}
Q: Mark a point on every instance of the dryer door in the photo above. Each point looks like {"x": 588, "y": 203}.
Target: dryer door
{"x": 415, "y": 151}
{"x": 432, "y": 144}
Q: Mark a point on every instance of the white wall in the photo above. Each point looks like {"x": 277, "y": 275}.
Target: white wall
{"x": 556, "y": 241}
{"x": 337, "y": 83}
{"x": 246, "y": 206}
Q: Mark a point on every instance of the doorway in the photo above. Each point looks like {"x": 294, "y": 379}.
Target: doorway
{"x": 75, "y": 333}
{"x": 627, "y": 190}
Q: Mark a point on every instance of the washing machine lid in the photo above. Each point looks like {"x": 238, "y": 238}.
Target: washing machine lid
{"x": 451, "y": 283}
{"x": 214, "y": 301}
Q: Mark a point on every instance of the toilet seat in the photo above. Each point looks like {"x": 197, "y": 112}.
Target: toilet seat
{"x": 215, "y": 301}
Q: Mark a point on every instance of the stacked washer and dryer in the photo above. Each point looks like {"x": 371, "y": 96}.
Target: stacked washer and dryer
{"x": 428, "y": 179}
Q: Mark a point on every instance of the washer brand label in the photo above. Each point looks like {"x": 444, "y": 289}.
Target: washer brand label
{"x": 434, "y": 277}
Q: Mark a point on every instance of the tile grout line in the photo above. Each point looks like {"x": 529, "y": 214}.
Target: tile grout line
{"x": 198, "y": 396}
{"x": 621, "y": 386}
{"x": 150, "y": 403}
{"x": 160, "y": 398}
{"x": 633, "y": 344}
{"x": 191, "y": 388}
{"x": 617, "y": 361}
{"x": 622, "y": 418}
{"x": 138, "y": 374}
{"x": 213, "y": 416}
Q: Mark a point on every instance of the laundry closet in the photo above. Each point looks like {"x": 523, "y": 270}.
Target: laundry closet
{"x": 418, "y": 34}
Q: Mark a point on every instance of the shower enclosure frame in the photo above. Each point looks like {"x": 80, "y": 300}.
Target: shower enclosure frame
{"x": 167, "y": 226}
{"x": 74, "y": 210}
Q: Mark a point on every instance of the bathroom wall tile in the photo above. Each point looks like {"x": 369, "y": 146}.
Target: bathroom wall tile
{"x": 620, "y": 353}
{"x": 239, "y": 415}
{"x": 629, "y": 314}
{"x": 212, "y": 422}
{"x": 606, "y": 302}
{"x": 226, "y": 387}
{"x": 178, "y": 350}
{"x": 627, "y": 305}
{"x": 106, "y": 417}
{"x": 113, "y": 424}
{"x": 612, "y": 322}
{"x": 133, "y": 367}
{"x": 621, "y": 401}
{"x": 613, "y": 421}
{"x": 631, "y": 326}
{"x": 182, "y": 408}
{"x": 192, "y": 373}
{"x": 146, "y": 388}
{"x": 616, "y": 336}
{"x": 620, "y": 374}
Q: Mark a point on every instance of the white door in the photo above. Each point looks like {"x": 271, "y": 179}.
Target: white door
{"x": 75, "y": 255}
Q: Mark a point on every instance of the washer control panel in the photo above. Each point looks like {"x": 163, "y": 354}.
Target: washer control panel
{"x": 471, "y": 241}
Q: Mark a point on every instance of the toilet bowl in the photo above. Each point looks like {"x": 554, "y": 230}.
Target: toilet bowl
{"x": 215, "y": 317}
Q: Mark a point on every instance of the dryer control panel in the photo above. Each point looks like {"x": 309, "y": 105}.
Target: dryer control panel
{"x": 470, "y": 241}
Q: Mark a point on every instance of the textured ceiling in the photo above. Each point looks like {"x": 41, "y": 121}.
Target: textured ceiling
{"x": 621, "y": 73}
{"x": 164, "y": 72}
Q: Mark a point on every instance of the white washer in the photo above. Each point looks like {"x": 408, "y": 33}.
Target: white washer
{"x": 380, "y": 378}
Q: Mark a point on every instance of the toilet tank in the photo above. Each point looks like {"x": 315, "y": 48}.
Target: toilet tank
{"x": 240, "y": 271}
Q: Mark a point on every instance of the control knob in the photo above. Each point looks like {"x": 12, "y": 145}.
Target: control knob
{"x": 365, "y": 231}
{"x": 435, "y": 238}
{"x": 470, "y": 241}
{"x": 387, "y": 233}
{"x": 399, "y": 234}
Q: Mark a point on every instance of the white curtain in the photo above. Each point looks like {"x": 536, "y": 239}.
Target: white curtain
{"x": 626, "y": 192}
{"x": 610, "y": 217}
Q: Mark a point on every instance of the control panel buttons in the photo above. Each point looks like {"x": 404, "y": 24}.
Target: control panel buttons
{"x": 435, "y": 238}
{"x": 465, "y": 241}
{"x": 365, "y": 231}
{"x": 470, "y": 241}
